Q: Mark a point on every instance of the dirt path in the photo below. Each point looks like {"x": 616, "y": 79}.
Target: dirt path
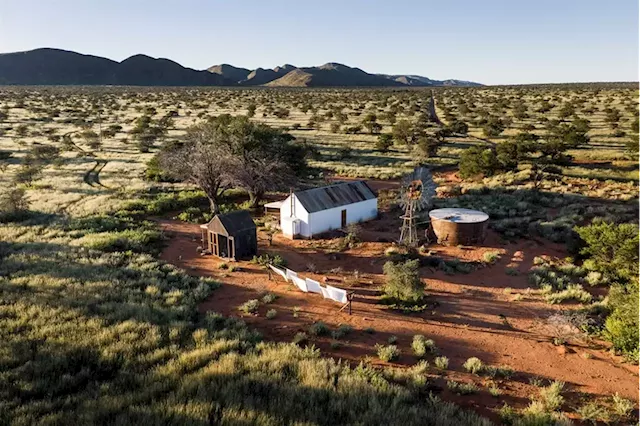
{"x": 473, "y": 315}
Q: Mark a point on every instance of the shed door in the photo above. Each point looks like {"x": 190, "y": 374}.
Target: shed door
{"x": 344, "y": 218}
{"x": 213, "y": 243}
{"x": 223, "y": 247}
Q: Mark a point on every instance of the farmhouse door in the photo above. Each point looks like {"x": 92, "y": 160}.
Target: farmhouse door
{"x": 344, "y": 218}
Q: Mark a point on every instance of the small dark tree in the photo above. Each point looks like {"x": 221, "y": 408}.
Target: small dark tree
{"x": 493, "y": 128}
{"x": 612, "y": 117}
{"x": 370, "y": 122}
{"x": 402, "y": 132}
{"x": 384, "y": 142}
{"x": 478, "y": 162}
{"x": 427, "y": 147}
{"x": 459, "y": 127}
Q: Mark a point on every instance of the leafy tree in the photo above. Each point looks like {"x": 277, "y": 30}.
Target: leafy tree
{"x": 566, "y": 111}
{"x": 612, "y": 116}
{"x": 559, "y": 139}
{"x": 612, "y": 249}
{"x": 232, "y": 151}
{"x": 146, "y": 131}
{"x": 493, "y": 128}
{"x": 402, "y": 281}
{"x": 635, "y": 125}
{"x": 402, "y": 132}
{"x": 459, "y": 127}
{"x": 370, "y": 122}
{"x": 5, "y": 156}
{"x": 427, "y": 147}
{"x": 581, "y": 125}
{"x": 12, "y": 202}
{"x": 478, "y": 162}
{"x": 91, "y": 138}
{"x": 22, "y": 130}
{"x": 251, "y": 110}
{"x": 384, "y": 142}
{"x": 510, "y": 153}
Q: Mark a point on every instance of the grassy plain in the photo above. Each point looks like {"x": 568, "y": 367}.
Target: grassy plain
{"x": 95, "y": 330}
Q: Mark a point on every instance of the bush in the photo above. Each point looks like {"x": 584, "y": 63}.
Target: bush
{"x": 387, "y": 353}
{"x": 572, "y": 292}
{"x": 319, "y": 329}
{"x": 441, "y": 362}
{"x": 341, "y": 331}
{"x": 402, "y": 282}
{"x": 621, "y": 407}
{"x": 269, "y": 298}
{"x": 621, "y": 327}
{"x": 491, "y": 257}
{"x": 300, "y": 338}
{"x": 250, "y": 306}
{"x": 592, "y": 412}
{"x": 421, "y": 346}
{"x": 473, "y": 365}
{"x": 462, "y": 388}
{"x": 551, "y": 396}
{"x": 271, "y": 314}
{"x": 267, "y": 259}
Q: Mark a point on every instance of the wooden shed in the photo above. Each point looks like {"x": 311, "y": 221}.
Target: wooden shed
{"x": 231, "y": 236}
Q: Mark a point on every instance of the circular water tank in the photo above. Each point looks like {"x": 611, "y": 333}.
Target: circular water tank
{"x": 455, "y": 226}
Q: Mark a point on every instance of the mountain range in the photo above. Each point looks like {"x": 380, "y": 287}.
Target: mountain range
{"x": 49, "y": 66}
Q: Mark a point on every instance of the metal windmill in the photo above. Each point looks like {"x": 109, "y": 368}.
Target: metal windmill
{"x": 418, "y": 189}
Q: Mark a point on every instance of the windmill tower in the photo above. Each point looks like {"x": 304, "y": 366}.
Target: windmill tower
{"x": 417, "y": 191}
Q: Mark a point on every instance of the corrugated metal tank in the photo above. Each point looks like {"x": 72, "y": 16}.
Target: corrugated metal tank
{"x": 456, "y": 226}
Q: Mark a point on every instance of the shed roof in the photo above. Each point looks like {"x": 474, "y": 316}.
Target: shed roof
{"x": 341, "y": 194}
{"x": 233, "y": 223}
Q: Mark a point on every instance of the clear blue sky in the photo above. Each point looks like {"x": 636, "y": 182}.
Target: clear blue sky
{"x": 489, "y": 41}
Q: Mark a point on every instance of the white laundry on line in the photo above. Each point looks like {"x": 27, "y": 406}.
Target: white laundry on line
{"x": 313, "y": 286}
{"x": 337, "y": 294}
{"x": 279, "y": 271}
{"x": 325, "y": 293}
{"x": 300, "y": 282}
{"x": 290, "y": 273}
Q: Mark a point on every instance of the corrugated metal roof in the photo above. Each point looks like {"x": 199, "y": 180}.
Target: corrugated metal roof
{"x": 341, "y": 194}
{"x": 234, "y": 222}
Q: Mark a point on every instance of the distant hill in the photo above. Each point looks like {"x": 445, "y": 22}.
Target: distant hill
{"x": 331, "y": 75}
{"x": 418, "y": 80}
{"x": 49, "y": 66}
{"x": 61, "y": 67}
{"x": 230, "y": 72}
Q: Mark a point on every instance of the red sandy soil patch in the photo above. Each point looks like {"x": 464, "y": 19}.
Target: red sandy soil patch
{"x": 471, "y": 315}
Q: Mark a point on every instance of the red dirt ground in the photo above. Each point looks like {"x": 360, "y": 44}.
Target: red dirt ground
{"x": 473, "y": 316}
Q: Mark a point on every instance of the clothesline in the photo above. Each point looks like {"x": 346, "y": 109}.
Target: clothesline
{"x": 311, "y": 286}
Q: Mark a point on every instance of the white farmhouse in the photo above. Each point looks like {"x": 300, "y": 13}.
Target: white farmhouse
{"x": 314, "y": 211}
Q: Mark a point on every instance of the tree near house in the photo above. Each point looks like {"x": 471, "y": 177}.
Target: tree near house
{"x": 370, "y": 122}
{"x": 227, "y": 152}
